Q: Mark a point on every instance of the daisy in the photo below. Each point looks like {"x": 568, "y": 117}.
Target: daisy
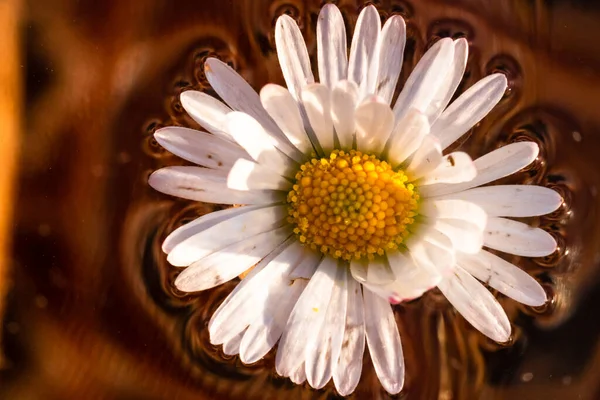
{"x": 348, "y": 202}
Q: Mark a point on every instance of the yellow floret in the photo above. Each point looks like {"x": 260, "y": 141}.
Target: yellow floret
{"x": 351, "y": 205}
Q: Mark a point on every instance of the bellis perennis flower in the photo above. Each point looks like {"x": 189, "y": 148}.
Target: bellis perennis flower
{"x": 349, "y": 202}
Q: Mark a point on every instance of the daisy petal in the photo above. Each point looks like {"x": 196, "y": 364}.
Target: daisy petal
{"x": 282, "y": 107}
{"x": 248, "y": 175}
{"x": 226, "y": 264}
{"x": 227, "y": 232}
{"x": 323, "y": 352}
{"x": 331, "y": 46}
{"x": 391, "y": 54}
{"x": 362, "y": 67}
{"x": 517, "y": 238}
{"x": 494, "y": 165}
{"x": 465, "y": 235}
{"x": 374, "y": 122}
{"x": 344, "y": 97}
{"x": 282, "y": 292}
{"x": 512, "y": 200}
{"x": 232, "y": 347}
{"x": 469, "y": 109}
{"x": 209, "y": 112}
{"x": 207, "y": 185}
{"x": 292, "y": 54}
{"x": 423, "y": 83}
{"x": 454, "y": 209}
{"x": 383, "y": 341}
{"x": 359, "y": 269}
{"x": 317, "y": 103}
{"x": 504, "y": 277}
{"x": 346, "y": 373}
{"x": 454, "y": 74}
{"x": 433, "y": 252}
{"x": 249, "y": 134}
{"x": 407, "y": 136}
{"x": 245, "y": 304}
{"x": 240, "y": 96}
{"x": 263, "y": 333}
{"x": 476, "y": 304}
{"x": 456, "y": 167}
{"x": 310, "y": 310}
{"x": 199, "y": 224}
{"x": 372, "y": 272}
{"x": 299, "y": 377}
{"x": 201, "y": 148}
{"x": 426, "y": 159}
{"x": 411, "y": 280}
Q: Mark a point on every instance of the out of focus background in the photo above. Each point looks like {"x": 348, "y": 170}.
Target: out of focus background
{"x": 87, "y": 303}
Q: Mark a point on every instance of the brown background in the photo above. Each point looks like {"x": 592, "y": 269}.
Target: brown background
{"x": 90, "y": 309}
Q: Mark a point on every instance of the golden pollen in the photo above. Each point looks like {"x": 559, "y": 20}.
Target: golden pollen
{"x": 351, "y": 205}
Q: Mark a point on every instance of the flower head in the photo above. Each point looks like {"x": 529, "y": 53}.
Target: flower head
{"x": 349, "y": 202}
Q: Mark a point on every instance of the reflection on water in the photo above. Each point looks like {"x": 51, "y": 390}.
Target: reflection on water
{"x": 93, "y": 312}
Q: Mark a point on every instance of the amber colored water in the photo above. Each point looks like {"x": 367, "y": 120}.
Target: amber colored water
{"x": 92, "y": 313}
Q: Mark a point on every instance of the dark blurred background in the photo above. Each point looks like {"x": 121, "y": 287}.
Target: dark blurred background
{"x": 89, "y": 309}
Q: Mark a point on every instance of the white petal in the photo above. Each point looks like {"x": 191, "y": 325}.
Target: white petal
{"x": 343, "y": 104}
{"x": 282, "y": 107}
{"x": 207, "y": 185}
{"x": 494, "y": 165}
{"x": 391, "y": 54}
{"x": 504, "y": 277}
{"x": 476, "y": 304}
{"x": 201, "y": 148}
{"x": 426, "y": 78}
{"x": 411, "y": 279}
{"x": 249, "y": 134}
{"x": 512, "y": 200}
{"x": 199, "y": 224}
{"x": 263, "y": 333}
{"x": 240, "y": 96}
{"x": 465, "y": 235}
{"x": 426, "y": 159}
{"x": 372, "y": 272}
{"x": 248, "y": 175}
{"x": 374, "y": 122}
{"x": 432, "y": 252}
{"x": 323, "y": 352}
{"x": 454, "y": 209}
{"x": 364, "y": 52}
{"x": 306, "y": 268}
{"x": 317, "y": 103}
{"x": 469, "y": 109}
{"x": 209, "y": 112}
{"x": 292, "y": 54}
{"x": 299, "y": 376}
{"x": 309, "y": 311}
{"x": 232, "y": 347}
{"x": 456, "y": 167}
{"x": 384, "y": 344}
{"x": 359, "y": 270}
{"x": 228, "y": 263}
{"x": 331, "y": 46}
{"x": 247, "y": 302}
{"x": 282, "y": 293}
{"x": 346, "y": 373}
{"x": 407, "y": 136}
{"x": 517, "y": 238}
{"x": 227, "y": 232}
{"x": 453, "y": 77}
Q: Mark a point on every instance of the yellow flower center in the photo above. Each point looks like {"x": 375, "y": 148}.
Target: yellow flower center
{"x": 351, "y": 205}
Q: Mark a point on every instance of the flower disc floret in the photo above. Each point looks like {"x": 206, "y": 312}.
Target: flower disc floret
{"x": 351, "y": 205}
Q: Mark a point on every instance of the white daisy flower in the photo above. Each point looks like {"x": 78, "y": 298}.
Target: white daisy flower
{"x": 349, "y": 202}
